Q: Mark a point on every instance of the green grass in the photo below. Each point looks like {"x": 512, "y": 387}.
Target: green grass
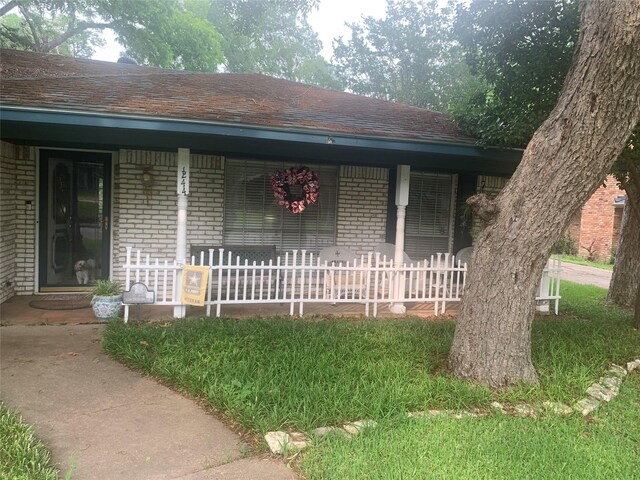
{"x": 281, "y": 373}
{"x": 497, "y": 447}
{"x": 581, "y": 261}
{"x": 22, "y": 455}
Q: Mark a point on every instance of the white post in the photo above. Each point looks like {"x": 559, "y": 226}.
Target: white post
{"x": 402, "y": 200}
{"x": 542, "y": 306}
{"x": 179, "y": 311}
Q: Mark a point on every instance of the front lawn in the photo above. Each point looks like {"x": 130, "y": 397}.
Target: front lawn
{"x": 298, "y": 374}
{"x": 497, "y": 447}
{"x": 22, "y": 455}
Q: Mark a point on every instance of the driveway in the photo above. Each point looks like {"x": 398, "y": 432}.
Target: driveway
{"x": 111, "y": 422}
{"x": 586, "y": 275}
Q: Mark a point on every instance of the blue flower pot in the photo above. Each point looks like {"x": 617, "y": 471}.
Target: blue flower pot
{"x": 105, "y": 308}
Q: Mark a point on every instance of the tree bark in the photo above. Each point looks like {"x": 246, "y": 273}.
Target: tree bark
{"x": 566, "y": 160}
{"x": 625, "y": 279}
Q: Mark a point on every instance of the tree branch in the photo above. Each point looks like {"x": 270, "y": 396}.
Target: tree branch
{"x": 71, "y": 31}
{"x": 482, "y": 206}
{"x": 32, "y": 27}
{"x": 7, "y": 7}
{"x": 13, "y": 35}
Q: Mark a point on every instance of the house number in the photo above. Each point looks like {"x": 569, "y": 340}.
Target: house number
{"x": 183, "y": 172}
{"x": 183, "y": 181}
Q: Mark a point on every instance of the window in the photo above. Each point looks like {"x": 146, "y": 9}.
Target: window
{"x": 251, "y": 216}
{"x": 428, "y": 224}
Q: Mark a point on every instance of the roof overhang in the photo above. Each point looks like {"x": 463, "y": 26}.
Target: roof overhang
{"x": 59, "y": 128}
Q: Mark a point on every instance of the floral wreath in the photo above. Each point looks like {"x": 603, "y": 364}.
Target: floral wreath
{"x": 281, "y": 182}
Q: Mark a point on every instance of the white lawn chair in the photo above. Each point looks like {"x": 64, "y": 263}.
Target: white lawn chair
{"x": 339, "y": 285}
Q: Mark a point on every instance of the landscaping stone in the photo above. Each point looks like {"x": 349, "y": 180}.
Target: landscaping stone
{"x": 299, "y": 440}
{"x": 557, "y": 408}
{"x": 525, "y": 411}
{"x": 280, "y": 441}
{"x": 633, "y": 365}
{"x": 498, "y": 406}
{"x": 419, "y": 414}
{"x": 599, "y": 392}
{"x": 461, "y": 415}
{"x": 612, "y": 383}
{"x": 354, "y": 428}
{"x": 324, "y": 431}
{"x": 586, "y": 405}
{"x": 617, "y": 370}
{"x": 435, "y": 413}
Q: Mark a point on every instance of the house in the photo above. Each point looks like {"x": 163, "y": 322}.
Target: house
{"x": 595, "y": 229}
{"x": 98, "y": 156}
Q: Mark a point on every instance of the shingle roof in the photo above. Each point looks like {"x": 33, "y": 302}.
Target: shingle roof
{"x": 64, "y": 83}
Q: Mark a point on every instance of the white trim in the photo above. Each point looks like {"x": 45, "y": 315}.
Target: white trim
{"x": 36, "y": 232}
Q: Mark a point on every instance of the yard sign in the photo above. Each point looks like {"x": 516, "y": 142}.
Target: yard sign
{"x": 194, "y": 285}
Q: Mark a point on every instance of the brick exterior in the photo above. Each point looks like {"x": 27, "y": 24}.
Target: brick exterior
{"x": 18, "y": 212}
{"x": 7, "y": 220}
{"x": 599, "y": 231}
{"x": 147, "y": 219}
{"x": 362, "y": 207}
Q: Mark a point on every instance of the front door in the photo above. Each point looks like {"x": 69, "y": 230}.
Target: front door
{"x": 75, "y": 193}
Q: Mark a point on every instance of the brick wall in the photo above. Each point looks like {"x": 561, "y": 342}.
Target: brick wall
{"x": 147, "y": 218}
{"x": 362, "y": 207}
{"x": 617, "y": 224}
{"x": 597, "y": 236}
{"x": 7, "y": 221}
{"x": 18, "y": 245}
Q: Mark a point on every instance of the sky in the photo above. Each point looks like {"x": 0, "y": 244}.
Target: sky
{"x": 328, "y": 21}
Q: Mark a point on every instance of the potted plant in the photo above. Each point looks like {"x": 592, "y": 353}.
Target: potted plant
{"x": 107, "y": 299}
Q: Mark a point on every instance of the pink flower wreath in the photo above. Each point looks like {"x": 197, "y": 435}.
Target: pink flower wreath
{"x": 281, "y": 182}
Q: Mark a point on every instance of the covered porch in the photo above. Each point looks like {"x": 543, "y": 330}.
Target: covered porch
{"x": 18, "y": 311}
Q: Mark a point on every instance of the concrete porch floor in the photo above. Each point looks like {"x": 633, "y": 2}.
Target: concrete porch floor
{"x": 17, "y": 311}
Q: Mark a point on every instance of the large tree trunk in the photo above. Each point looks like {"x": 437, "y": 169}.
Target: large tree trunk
{"x": 625, "y": 280}
{"x": 566, "y": 160}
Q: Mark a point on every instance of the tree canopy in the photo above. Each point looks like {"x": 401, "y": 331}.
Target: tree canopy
{"x": 162, "y": 34}
{"x": 272, "y": 37}
{"x": 269, "y": 36}
{"x": 522, "y": 51}
{"x": 409, "y": 56}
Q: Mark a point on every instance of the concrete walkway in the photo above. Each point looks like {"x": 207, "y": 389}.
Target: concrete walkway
{"x": 111, "y": 422}
{"x": 586, "y": 275}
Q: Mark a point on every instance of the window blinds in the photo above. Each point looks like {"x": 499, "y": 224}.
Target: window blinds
{"x": 251, "y": 216}
{"x": 428, "y": 218}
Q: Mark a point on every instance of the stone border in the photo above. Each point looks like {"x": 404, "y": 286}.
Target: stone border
{"x": 604, "y": 390}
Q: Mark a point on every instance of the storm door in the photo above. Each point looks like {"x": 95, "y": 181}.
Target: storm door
{"x": 75, "y": 189}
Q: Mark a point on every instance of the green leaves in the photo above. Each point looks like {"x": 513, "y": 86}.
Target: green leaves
{"x": 410, "y": 56}
{"x": 522, "y": 50}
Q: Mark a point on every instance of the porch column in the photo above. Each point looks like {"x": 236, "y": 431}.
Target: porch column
{"x": 402, "y": 200}
{"x": 179, "y": 311}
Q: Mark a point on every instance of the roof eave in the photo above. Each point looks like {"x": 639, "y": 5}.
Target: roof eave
{"x": 185, "y": 126}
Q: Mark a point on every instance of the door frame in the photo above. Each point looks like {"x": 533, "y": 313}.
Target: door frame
{"x": 41, "y": 203}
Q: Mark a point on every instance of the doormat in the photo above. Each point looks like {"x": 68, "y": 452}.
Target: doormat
{"x": 61, "y": 302}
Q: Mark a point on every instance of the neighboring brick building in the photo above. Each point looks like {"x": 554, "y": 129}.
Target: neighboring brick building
{"x": 596, "y": 228}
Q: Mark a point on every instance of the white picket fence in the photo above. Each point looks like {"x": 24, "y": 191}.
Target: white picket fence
{"x": 299, "y": 278}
